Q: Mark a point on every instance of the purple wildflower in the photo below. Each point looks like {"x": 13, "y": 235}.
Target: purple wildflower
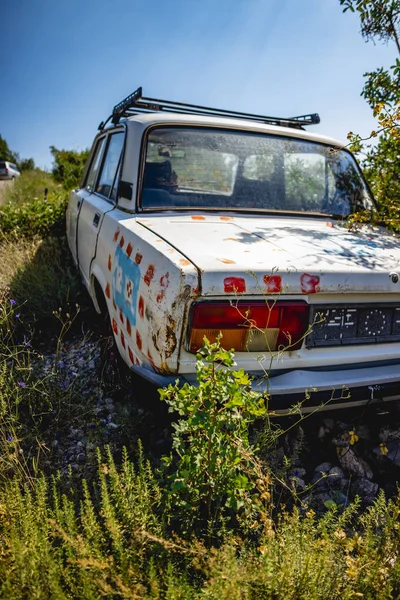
{"x": 21, "y": 384}
{"x": 10, "y": 438}
{"x": 17, "y": 315}
{"x": 12, "y": 302}
{"x": 63, "y": 385}
{"x": 61, "y": 364}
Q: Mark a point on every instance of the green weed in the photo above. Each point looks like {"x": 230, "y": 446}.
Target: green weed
{"x": 214, "y": 472}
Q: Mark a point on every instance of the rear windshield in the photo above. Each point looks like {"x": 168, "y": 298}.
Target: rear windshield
{"x": 206, "y": 168}
{"x": 2, "y": 164}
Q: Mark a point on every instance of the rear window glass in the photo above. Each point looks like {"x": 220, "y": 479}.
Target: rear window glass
{"x": 2, "y": 164}
{"x": 209, "y": 168}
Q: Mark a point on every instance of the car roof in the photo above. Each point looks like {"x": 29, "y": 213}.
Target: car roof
{"x": 166, "y": 118}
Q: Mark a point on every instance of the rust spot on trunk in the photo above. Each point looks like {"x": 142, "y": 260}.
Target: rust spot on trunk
{"x": 226, "y": 261}
{"x": 234, "y": 284}
{"x": 226, "y": 218}
{"x": 129, "y": 249}
{"x": 138, "y": 258}
{"x": 121, "y": 316}
{"x": 164, "y": 283}
{"x": 165, "y": 339}
{"x": 131, "y": 357}
{"x": 141, "y": 307}
{"x": 184, "y": 262}
{"x": 138, "y": 340}
{"x": 109, "y": 262}
{"x": 149, "y": 275}
{"x": 273, "y": 284}
{"x": 123, "y": 340}
{"x": 108, "y": 291}
{"x": 198, "y": 218}
{"x": 116, "y": 235}
{"x": 121, "y": 241}
{"x": 309, "y": 283}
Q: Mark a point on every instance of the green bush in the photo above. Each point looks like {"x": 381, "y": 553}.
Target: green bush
{"x": 36, "y": 217}
{"x": 46, "y": 280}
{"x": 68, "y": 166}
{"x": 214, "y": 475}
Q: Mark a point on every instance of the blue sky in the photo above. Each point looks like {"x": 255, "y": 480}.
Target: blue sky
{"x": 64, "y": 65}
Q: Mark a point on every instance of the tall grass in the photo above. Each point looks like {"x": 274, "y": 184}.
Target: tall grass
{"x": 46, "y": 282}
{"x": 30, "y": 187}
{"x": 111, "y": 541}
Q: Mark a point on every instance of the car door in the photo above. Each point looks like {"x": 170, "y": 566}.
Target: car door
{"x": 77, "y": 196}
{"x": 98, "y": 198}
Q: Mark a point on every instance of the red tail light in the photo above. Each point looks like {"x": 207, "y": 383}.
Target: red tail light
{"x": 254, "y": 326}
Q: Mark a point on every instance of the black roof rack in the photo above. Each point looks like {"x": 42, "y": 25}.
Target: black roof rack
{"x": 136, "y": 103}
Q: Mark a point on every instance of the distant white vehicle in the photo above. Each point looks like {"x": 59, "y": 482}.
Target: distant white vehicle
{"x": 8, "y": 170}
{"x": 192, "y": 221}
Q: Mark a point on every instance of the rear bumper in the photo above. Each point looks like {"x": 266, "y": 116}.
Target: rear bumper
{"x": 313, "y": 389}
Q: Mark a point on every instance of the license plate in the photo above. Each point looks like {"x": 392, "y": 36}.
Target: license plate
{"x": 334, "y": 325}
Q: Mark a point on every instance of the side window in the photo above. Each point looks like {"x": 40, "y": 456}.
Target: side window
{"x": 94, "y": 168}
{"x": 110, "y": 165}
{"x": 113, "y": 195}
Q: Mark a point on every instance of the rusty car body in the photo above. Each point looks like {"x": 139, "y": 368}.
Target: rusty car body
{"x": 192, "y": 221}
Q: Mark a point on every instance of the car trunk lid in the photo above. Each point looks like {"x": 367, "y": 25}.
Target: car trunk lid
{"x": 288, "y": 255}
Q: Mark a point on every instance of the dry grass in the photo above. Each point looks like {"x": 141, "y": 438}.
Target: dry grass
{"x": 3, "y": 190}
{"x": 14, "y": 255}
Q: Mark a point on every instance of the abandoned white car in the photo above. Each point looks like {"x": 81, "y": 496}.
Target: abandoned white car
{"x": 191, "y": 221}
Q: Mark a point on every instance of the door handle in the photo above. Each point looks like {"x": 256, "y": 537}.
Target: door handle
{"x": 78, "y": 204}
{"x": 96, "y": 219}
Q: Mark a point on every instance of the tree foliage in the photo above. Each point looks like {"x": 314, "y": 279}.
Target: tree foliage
{"x": 380, "y": 19}
{"x": 382, "y": 162}
{"x": 68, "y": 166}
{"x": 27, "y": 164}
{"x": 6, "y": 153}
